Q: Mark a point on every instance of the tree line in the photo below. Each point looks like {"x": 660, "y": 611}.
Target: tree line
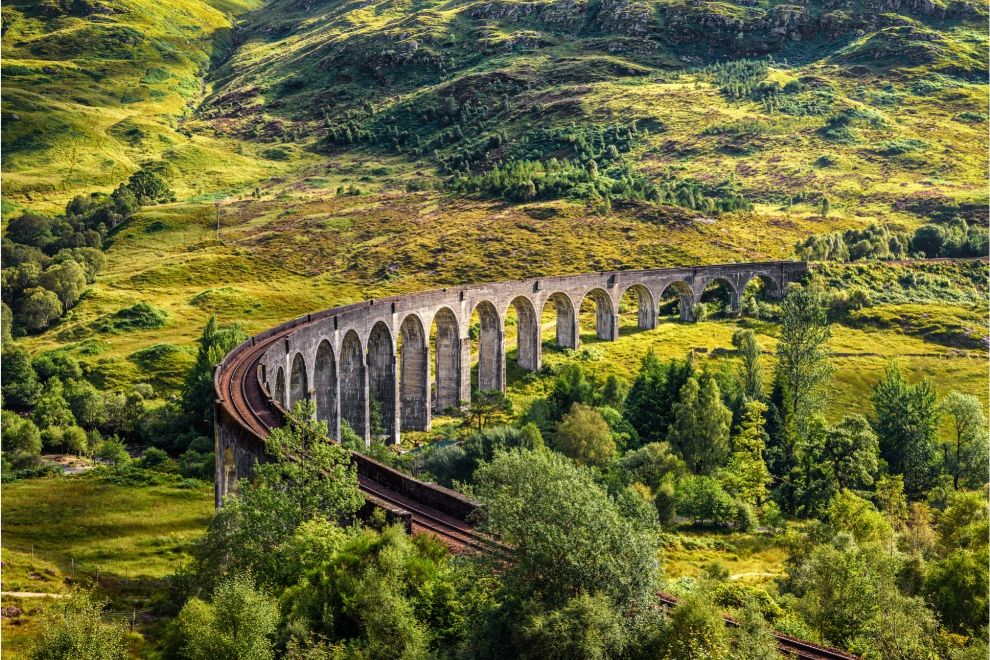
{"x": 953, "y": 238}
{"x": 47, "y": 262}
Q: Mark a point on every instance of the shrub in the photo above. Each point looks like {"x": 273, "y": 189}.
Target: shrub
{"x": 745, "y": 517}
{"x": 140, "y": 316}
{"x": 21, "y": 441}
{"x": 112, "y": 451}
{"x": 585, "y": 436}
{"x": 155, "y": 459}
{"x": 74, "y": 629}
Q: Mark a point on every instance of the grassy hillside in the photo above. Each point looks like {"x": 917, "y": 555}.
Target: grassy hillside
{"x": 72, "y": 531}
{"x": 881, "y": 112}
{"x": 93, "y": 90}
{"x": 327, "y": 152}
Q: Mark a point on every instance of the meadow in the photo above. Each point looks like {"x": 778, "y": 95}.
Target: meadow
{"x": 123, "y": 537}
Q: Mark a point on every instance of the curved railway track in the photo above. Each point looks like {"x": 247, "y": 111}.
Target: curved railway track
{"x": 246, "y": 400}
{"x": 242, "y": 394}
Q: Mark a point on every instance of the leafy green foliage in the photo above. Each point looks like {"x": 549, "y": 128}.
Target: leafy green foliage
{"x": 700, "y": 428}
{"x": 239, "y": 622}
{"x": 969, "y": 452}
{"x": 285, "y": 493}
{"x": 906, "y": 420}
{"x": 75, "y": 629}
{"x": 584, "y": 435}
{"x": 197, "y": 392}
{"x": 569, "y": 541}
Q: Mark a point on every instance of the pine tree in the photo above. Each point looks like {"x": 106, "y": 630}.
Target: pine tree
{"x": 746, "y": 477}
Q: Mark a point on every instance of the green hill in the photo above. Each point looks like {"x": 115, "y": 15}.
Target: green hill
{"x": 361, "y": 148}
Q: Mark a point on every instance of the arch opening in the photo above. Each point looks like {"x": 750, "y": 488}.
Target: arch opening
{"x": 280, "y": 387}
{"x": 564, "y": 320}
{"x": 720, "y": 298}
{"x": 521, "y": 315}
{"x": 414, "y": 375}
{"x": 488, "y": 343}
{"x": 298, "y": 382}
{"x": 381, "y": 382}
{"x": 447, "y": 361}
{"x": 353, "y": 385}
{"x": 676, "y": 299}
{"x": 637, "y": 297}
{"x": 325, "y": 387}
{"x": 760, "y": 292}
{"x": 597, "y": 312}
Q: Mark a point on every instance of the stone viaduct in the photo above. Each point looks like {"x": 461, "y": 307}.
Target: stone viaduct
{"x": 382, "y": 350}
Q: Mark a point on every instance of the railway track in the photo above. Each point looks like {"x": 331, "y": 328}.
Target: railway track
{"x": 790, "y": 646}
{"x": 237, "y": 382}
{"x": 247, "y": 400}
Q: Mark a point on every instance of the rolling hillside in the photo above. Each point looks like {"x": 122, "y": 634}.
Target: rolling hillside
{"x": 322, "y": 152}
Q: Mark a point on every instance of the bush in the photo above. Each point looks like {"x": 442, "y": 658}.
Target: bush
{"x": 665, "y": 502}
{"x": 140, "y": 316}
{"x": 155, "y": 459}
{"x": 112, "y": 451}
{"x": 699, "y": 311}
{"x": 584, "y": 436}
{"x": 74, "y": 629}
{"x": 21, "y": 441}
{"x": 197, "y": 465}
{"x": 745, "y": 517}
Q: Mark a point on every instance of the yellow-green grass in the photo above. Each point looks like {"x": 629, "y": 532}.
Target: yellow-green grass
{"x": 58, "y": 532}
{"x": 88, "y": 100}
{"x": 279, "y": 258}
{"x": 784, "y": 150}
{"x": 302, "y": 250}
{"x": 755, "y": 558}
{"x": 140, "y": 532}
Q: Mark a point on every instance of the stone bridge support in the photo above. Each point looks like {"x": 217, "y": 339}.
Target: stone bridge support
{"x": 402, "y": 360}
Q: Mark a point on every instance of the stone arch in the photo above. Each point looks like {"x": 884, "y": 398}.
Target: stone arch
{"x": 447, "y": 363}
{"x": 325, "y": 387}
{"x": 722, "y": 291}
{"x": 527, "y": 334}
{"x": 381, "y": 375}
{"x": 491, "y": 347}
{"x": 280, "y": 387}
{"x": 414, "y": 375}
{"x": 770, "y": 286}
{"x": 566, "y": 320}
{"x": 685, "y": 298}
{"x": 606, "y": 324}
{"x": 646, "y": 308}
{"x": 298, "y": 381}
{"x": 353, "y": 384}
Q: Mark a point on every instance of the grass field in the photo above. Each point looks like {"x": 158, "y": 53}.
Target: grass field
{"x": 65, "y": 531}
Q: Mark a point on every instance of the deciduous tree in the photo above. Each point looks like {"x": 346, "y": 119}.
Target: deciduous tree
{"x": 584, "y": 436}
{"x": 968, "y": 455}
{"x": 700, "y": 429}
{"x": 906, "y": 419}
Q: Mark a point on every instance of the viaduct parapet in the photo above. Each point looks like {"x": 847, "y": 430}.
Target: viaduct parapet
{"x": 410, "y": 356}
